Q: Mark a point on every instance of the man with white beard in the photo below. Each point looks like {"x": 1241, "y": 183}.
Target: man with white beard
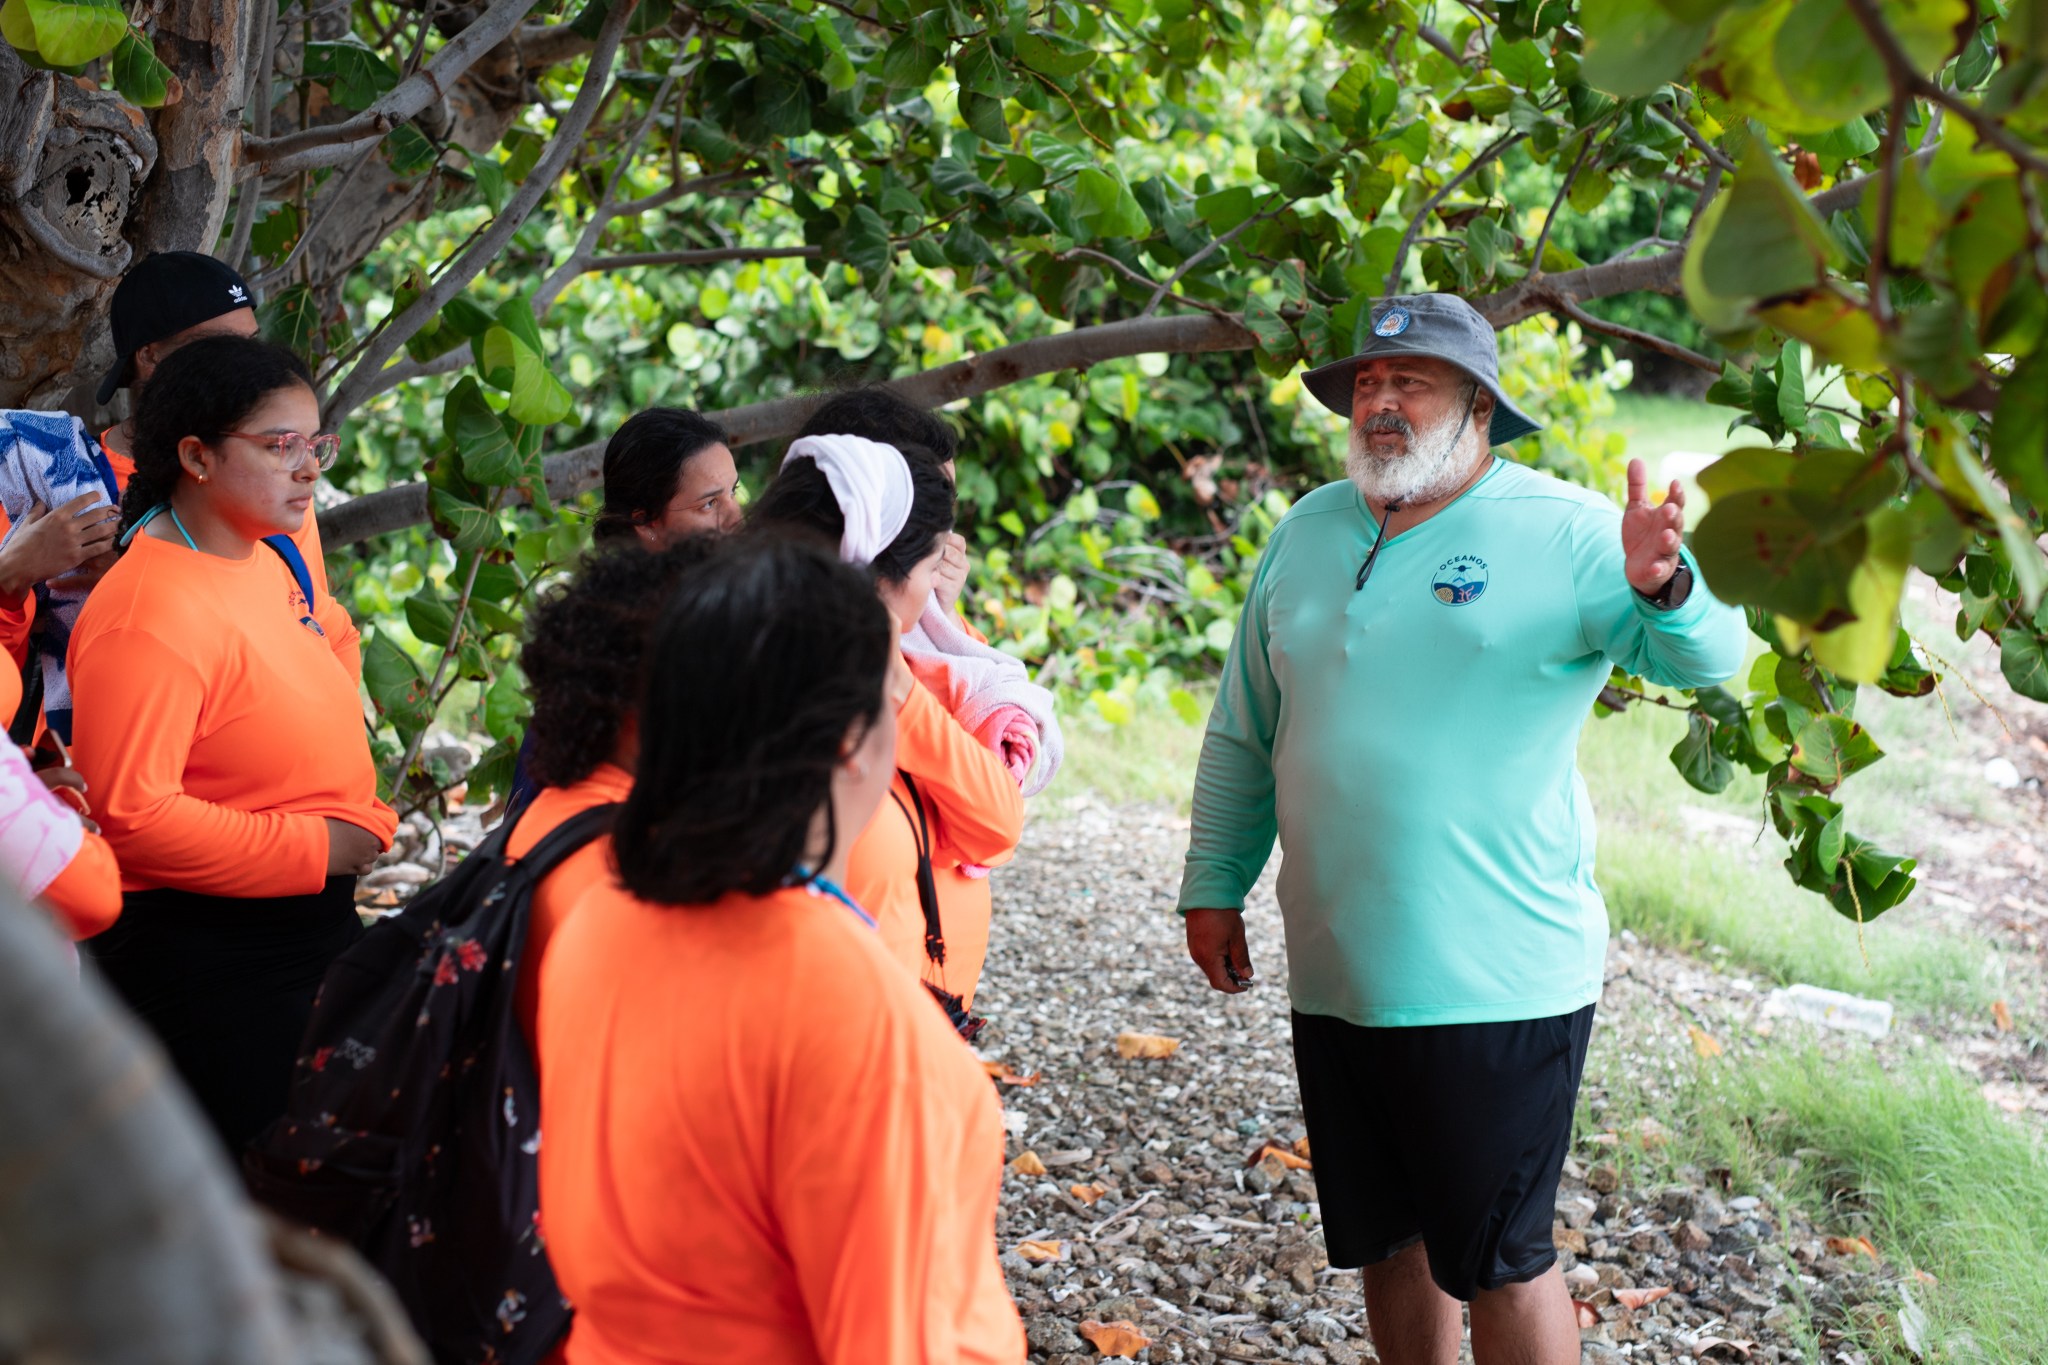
{"x": 1401, "y": 708}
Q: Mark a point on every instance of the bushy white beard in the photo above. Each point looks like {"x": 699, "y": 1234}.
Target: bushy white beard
{"x": 1437, "y": 460}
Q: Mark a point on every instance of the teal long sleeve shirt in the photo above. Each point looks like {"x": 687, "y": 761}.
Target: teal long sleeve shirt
{"x": 1413, "y": 746}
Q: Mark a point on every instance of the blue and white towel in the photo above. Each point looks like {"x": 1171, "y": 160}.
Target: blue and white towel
{"x": 49, "y": 458}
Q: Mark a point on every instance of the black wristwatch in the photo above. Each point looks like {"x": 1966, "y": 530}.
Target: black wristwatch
{"x": 1676, "y": 589}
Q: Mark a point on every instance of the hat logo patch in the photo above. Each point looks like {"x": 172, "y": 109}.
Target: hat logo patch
{"x": 238, "y": 294}
{"x": 1392, "y": 323}
{"x": 1459, "y": 580}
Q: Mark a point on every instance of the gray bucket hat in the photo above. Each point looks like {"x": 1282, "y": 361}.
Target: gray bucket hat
{"x": 1442, "y": 327}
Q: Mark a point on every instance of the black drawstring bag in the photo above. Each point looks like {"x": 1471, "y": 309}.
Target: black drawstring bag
{"x": 965, "y": 1024}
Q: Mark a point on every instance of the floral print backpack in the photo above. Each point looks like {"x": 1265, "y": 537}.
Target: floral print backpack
{"x": 413, "y": 1127}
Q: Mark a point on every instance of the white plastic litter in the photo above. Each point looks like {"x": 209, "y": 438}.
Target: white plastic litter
{"x": 1832, "y": 1009}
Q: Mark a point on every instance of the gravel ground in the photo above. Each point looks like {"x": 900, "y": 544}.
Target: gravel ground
{"x": 1137, "y": 1194}
{"x": 1130, "y": 1197}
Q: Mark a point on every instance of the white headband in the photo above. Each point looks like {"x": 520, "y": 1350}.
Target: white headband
{"x": 870, "y": 482}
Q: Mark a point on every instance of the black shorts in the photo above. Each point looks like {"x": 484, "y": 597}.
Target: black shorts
{"x": 1452, "y": 1135}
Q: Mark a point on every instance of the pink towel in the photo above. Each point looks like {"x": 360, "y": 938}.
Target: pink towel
{"x": 990, "y": 693}
{"x": 1010, "y": 731}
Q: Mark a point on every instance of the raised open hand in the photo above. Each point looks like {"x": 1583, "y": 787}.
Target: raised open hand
{"x": 1650, "y": 536}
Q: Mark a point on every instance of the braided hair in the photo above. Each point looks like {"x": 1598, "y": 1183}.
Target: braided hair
{"x": 205, "y": 388}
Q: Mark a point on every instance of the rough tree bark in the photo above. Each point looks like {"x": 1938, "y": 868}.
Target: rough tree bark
{"x": 88, "y": 182}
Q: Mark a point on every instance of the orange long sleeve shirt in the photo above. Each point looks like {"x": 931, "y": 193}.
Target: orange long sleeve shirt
{"x": 217, "y": 731}
{"x": 975, "y": 815}
{"x": 763, "y": 1144}
{"x": 87, "y": 894}
{"x": 559, "y": 891}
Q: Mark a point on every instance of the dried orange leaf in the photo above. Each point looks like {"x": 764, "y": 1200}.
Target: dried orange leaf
{"x": 1028, "y": 1164}
{"x": 2001, "y": 1016}
{"x": 1924, "y": 1277}
{"x": 1703, "y": 1042}
{"x": 1301, "y": 1148}
{"x": 1706, "y": 1344}
{"x": 1048, "y": 1250}
{"x": 1120, "y": 1338}
{"x": 1640, "y": 1298}
{"x": 1001, "y": 1072}
{"x": 1283, "y": 1155}
{"x": 1851, "y": 1246}
{"x": 1088, "y": 1194}
{"x": 1589, "y": 1316}
{"x": 1145, "y": 1046}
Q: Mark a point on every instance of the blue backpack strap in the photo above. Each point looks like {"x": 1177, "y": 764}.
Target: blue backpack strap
{"x": 288, "y": 550}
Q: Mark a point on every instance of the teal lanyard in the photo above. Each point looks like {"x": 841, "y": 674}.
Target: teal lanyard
{"x": 823, "y": 886}
{"x": 151, "y": 515}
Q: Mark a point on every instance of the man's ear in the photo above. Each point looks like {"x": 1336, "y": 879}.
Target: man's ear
{"x": 1482, "y": 406}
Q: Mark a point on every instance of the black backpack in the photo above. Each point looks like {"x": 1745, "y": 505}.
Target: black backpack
{"x": 413, "y": 1126}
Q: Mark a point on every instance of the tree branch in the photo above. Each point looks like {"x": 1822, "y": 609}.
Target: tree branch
{"x": 1714, "y": 155}
{"x": 488, "y": 244}
{"x": 262, "y": 63}
{"x": 574, "y": 471}
{"x": 1556, "y": 203}
{"x": 601, "y": 216}
{"x": 1440, "y": 43}
{"x": 1429, "y": 206}
{"x": 1644, "y": 339}
{"x": 1214, "y": 244}
{"x": 549, "y": 45}
{"x": 704, "y": 256}
{"x": 330, "y": 144}
{"x": 1904, "y": 78}
{"x": 1887, "y": 197}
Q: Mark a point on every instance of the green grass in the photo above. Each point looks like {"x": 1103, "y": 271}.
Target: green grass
{"x": 1666, "y": 879}
{"x": 1657, "y": 424}
{"x": 1905, "y": 1152}
{"x": 1150, "y": 760}
{"x": 1699, "y": 891}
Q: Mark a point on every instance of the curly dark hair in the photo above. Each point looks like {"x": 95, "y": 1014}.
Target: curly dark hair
{"x": 770, "y": 655}
{"x": 878, "y": 414}
{"x": 643, "y": 463}
{"x": 800, "y": 500}
{"x": 586, "y": 642}
{"x": 204, "y": 389}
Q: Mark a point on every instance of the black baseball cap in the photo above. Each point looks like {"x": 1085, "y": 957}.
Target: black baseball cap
{"x": 164, "y": 294}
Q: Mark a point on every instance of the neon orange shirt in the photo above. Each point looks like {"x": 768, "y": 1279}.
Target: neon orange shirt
{"x": 976, "y": 816}
{"x": 763, "y": 1143}
{"x": 588, "y": 866}
{"x": 16, "y": 621}
{"x": 87, "y": 894}
{"x": 217, "y": 731}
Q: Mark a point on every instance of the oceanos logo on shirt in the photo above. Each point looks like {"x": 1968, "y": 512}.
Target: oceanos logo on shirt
{"x": 1459, "y": 580}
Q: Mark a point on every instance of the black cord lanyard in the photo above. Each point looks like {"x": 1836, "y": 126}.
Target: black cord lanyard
{"x": 1365, "y": 569}
{"x": 927, "y": 883}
